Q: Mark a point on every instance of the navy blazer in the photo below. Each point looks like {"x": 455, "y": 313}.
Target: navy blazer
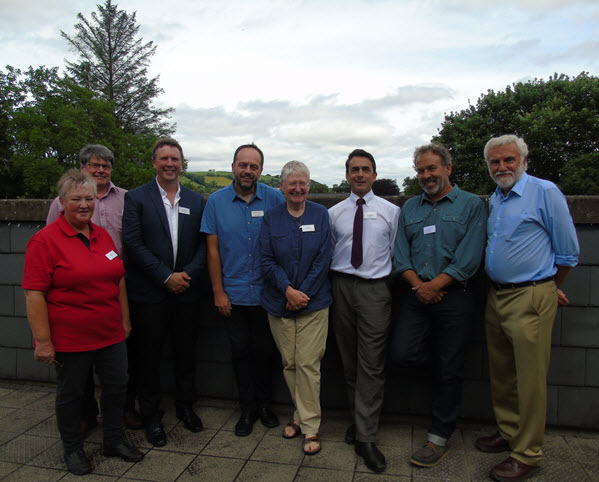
{"x": 149, "y": 248}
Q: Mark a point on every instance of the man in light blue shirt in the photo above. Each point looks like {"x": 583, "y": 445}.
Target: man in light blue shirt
{"x": 531, "y": 248}
{"x": 232, "y": 221}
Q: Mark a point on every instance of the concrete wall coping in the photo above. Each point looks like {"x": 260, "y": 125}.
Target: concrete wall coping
{"x": 584, "y": 209}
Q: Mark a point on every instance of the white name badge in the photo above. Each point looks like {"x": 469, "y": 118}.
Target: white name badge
{"x": 370, "y": 215}
{"x": 257, "y": 214}
{"x": 307, "y": 228}
{"x": 111, "y": 255}
{"x": 183, "y": 210}
{"x": 429, "y": 229}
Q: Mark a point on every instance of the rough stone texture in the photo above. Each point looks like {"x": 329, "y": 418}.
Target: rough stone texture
{"x": 580, "y": 327}
{"x": 567, "y": 366}
{"x": 575, "y": 357}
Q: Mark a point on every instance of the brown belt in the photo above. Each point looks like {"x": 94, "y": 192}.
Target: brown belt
{"x": 511, "y": 286}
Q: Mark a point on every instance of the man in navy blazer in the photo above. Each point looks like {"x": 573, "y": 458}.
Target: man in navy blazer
{"x": 165, "y": 255}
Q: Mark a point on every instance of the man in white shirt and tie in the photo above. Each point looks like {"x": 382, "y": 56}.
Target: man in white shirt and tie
{"x": 363, "y": 229}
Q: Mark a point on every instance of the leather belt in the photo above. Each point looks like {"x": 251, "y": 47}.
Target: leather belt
{"x": 511, "y": 286}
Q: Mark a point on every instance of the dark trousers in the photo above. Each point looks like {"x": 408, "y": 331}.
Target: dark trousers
{"x": 254, "y": 354}
{"x": 361, "y": 314}
{"x": 72, "y": 370}
{"x": 89, "y": 406}
{"x": 437, "y": 332}
{"x": 152, "y": 323}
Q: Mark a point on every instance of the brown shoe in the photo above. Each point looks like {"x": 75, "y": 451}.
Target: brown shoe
{"x": 132, "y": 420}
{"x": 511, "y": 470}
{"x": 492, "y": 443}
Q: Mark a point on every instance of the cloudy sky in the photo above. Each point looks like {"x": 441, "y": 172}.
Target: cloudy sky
{"x": 313, "y": 79}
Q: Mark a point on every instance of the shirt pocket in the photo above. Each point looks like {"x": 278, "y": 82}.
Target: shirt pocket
{"x": 453, "y": 229}
{"x": 413, "y": 226}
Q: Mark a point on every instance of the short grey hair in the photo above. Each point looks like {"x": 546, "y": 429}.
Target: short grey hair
{"x": 98, "y": 151}
{"x": 72, "y": 179}
{"x": 436, "y": 148}
{"x": 294, "y": 167}
{"x": 504, "y": 141}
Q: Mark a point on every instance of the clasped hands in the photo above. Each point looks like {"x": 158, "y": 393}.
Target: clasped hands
{"x": 296, "y": 300}
{"x": 178, "y": 282}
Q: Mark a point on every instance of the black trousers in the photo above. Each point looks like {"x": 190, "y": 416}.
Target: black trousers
{"x": 89, "y": 405}
{"x": 72, "y": 372}
{"x": 439, "y": 333}
{"x": 254, "y": 354}
{"x": 152, "y": 323}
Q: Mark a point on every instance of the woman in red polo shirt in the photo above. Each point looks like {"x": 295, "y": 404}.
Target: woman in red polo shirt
{"x": 77, "y": 309}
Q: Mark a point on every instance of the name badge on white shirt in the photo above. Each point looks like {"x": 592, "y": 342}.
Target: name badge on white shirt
{"x": 183, "y": 210}
{"x": 429, "y": 229}
{"x": 257, "y": 214}
{"x": 370, "y": 215}
{"x": 111, "y": 255}
{"x": 307, "y": 228}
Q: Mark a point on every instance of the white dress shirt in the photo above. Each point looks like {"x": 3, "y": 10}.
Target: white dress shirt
{"x": 172, "y": 216}
{"x": 380, "y": 227}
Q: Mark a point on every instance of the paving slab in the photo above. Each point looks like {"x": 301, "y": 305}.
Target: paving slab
{"x": 212, "y": 468}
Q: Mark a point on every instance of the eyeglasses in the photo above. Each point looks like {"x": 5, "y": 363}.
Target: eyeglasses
{"x": 301, "y": 184}
{"x": 95, "y": 166}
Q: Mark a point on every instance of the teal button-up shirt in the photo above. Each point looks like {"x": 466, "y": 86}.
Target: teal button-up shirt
{"x": 448, "y": 236}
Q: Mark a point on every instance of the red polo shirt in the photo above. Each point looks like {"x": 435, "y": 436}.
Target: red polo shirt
{"x": 81, "y": 285}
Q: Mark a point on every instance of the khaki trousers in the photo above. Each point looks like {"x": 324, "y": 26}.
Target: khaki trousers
{"x": 302, "y": 342}
{"x": 519, "y": 323}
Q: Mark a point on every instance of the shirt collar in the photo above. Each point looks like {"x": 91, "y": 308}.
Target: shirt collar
{"x": 450, "y": 196}
{"x": 517, "y": 189}
{"x": 67, "y": 229}
{"x": 368, "y": 197}
{"x": 163, "y": 193}
{"x": 111, "y": 187}
{"x": 258, "y": 194}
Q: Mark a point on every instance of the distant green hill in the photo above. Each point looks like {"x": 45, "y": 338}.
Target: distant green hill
{"x": 206, "y": 182}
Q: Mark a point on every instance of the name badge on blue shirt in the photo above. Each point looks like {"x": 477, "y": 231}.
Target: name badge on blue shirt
{"x": 183, "y": 210}
{"x": 429, "y": 229}
{"x": 257, "y": 214}
{"x": 307, "y": 228}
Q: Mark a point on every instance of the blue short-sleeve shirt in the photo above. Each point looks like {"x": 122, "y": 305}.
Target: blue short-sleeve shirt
{"x": 237, "y": 225}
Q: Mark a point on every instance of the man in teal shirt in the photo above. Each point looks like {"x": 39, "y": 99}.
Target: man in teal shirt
{"x": 438, "y": 249}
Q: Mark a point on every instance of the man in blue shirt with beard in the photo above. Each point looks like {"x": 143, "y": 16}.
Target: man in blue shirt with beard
{"x": 531, "y": 248}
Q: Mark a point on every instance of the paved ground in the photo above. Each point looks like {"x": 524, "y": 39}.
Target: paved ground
{"x": 30, "y": 448}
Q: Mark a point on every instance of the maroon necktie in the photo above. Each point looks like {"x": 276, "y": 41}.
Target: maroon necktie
{"x": 356, "y": 248}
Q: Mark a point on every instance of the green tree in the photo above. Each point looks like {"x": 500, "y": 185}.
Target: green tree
{"x": 343, "y": 186}
{"x": 49, "y": 118}
{"x": 558, "y": 119}
{"x": 385, "y": 187}
{"x": 411, "y": 187}
{"x": 114, "y": 64}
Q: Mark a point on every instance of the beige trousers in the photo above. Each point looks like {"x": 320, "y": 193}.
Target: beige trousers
{"x": 302, "y": 342}
{"x": 519, "y": 323}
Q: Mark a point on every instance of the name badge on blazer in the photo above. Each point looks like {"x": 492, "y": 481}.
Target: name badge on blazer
{"x": 183, "y": 210}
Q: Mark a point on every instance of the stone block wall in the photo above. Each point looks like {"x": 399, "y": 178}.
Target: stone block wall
{"x": 573, "y": 395}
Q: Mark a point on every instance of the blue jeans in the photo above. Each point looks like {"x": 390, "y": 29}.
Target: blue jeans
{"x": 439, "y": 332}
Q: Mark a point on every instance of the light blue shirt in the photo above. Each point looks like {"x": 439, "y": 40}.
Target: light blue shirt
{"x": 530, "y": 231}
{"x": 237, "y": 225}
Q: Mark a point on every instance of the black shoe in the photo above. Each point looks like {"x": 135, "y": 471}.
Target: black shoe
{"x": 268, "y": 417}
{"x": 77, "y": 462}
{"x": 373, "y": 458}
{"x": 245, "y": 424}
{"x": 124, "y": 451}
{"x": 190, "y": 420}
{"x": 155, "y": 434}
{"x": 350, "y": 434}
